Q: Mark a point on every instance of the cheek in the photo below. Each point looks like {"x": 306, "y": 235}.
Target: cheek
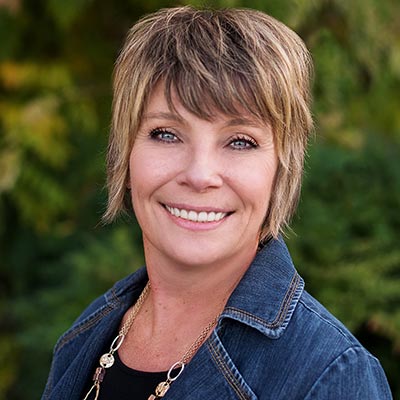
{"x": 254, "y": 181}
{"x": 261, "y": 187}
{"x": 140, "y": 180}
{"x": 149, "y": 170}
{"x": 141, "y": 167}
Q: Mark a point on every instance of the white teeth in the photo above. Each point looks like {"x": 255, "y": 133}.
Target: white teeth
{"x": 184, "y": 214}
{"x": 202, "y": 217}
{"x": 211, "y": 216}
{"x": 194, "y": 216}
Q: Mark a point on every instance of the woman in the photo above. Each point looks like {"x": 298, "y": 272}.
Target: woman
{"x": 210, "y": 124}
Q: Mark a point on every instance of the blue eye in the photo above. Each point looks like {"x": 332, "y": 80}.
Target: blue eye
{"x": 163, "y": 135}
{"x": 243, "y": 143}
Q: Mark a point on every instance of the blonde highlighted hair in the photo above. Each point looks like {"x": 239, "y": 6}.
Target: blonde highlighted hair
{"x": 216, "y": 61}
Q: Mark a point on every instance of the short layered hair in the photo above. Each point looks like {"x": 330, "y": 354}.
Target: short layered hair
{"x": 216, "y": 61}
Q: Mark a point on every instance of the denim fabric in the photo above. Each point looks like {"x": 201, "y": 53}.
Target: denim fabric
{"x": 272, "y": 341}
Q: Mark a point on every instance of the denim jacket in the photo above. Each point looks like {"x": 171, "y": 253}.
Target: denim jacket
{"x": 272, "y": 341}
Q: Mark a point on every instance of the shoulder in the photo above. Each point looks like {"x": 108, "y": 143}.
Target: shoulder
{"x": 334, "y": 364}
{"x": 115, "y": 300}
{"x": 312, "y": 316}
{"x": 89, "y": 334}
{"x": 353, "y": 374}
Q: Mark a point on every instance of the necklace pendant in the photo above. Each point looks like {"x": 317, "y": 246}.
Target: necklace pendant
{"x": 107, "y": 360}
{"x": 162, "y": 388}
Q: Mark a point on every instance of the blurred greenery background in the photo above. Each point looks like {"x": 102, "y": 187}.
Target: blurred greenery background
{"x": 56, "y": 60}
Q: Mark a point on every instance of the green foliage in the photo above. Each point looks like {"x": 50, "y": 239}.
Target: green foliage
{"x": 56, "y": 60}
{"x": 347, "y": 249}
{"x": 66, "y": 12}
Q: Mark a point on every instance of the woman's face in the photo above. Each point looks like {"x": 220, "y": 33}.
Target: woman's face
{"x": 200, "y": 189}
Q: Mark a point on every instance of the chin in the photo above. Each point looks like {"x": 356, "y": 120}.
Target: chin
{"x": 202, "y": 256}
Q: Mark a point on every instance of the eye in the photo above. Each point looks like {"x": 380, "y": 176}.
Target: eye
{"x": 243, "y": 143}
{"x": 163, "y": 135}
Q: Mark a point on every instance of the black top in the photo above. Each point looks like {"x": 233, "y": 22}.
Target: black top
{"x": 124, "y": 383}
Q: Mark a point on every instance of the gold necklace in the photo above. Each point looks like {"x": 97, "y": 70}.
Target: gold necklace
{"x": 107, "y": 359}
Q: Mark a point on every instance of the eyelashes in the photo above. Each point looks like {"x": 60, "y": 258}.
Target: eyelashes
{"x": 163, "y": 135}
{"x": 241, "y": 142}
{"x": 238, "y": 142}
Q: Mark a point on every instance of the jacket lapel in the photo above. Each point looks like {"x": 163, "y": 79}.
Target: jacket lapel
{"x": 211, "y": 374}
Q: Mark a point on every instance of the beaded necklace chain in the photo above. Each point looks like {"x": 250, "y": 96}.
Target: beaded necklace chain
{"x": 107, "y": 360}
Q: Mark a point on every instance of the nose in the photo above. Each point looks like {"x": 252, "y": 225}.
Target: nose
{"x": 202, "y": 170}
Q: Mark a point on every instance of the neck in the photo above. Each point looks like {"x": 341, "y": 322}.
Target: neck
{"x": 198, "y": 291}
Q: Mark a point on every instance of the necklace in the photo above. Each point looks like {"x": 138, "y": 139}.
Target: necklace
{"x": 107, "y": 360}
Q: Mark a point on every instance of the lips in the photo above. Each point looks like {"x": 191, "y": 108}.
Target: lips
{"x": 196, "y": 216}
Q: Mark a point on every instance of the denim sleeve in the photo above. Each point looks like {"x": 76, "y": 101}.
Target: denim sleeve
{"x": 354, "y": 375}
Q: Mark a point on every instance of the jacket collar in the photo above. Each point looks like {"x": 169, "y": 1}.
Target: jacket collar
{"x": 267, "y": 295}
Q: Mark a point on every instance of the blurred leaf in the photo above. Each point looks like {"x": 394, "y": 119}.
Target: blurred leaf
{"x": 66, "y": 12}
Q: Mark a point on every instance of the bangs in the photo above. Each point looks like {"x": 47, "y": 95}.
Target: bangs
{"x": 206, "y": 98}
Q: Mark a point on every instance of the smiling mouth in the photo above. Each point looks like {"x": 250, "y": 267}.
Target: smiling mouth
{"x": 195, "y": 216}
